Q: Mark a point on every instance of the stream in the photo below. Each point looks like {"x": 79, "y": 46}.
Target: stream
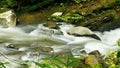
{"x": 32, "y": 42}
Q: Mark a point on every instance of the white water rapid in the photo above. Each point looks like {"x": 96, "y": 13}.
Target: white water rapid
{"x": 22, "y": 42}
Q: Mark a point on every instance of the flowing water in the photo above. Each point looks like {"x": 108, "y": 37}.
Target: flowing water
{"x": 32, "y": 42}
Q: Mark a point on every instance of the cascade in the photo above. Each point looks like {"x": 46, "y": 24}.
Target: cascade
{"x": 37, "y": 41}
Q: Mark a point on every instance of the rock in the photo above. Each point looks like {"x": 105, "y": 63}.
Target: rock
{"x": 58, "y": 32}
{"x": 46, "y": 49}
{"x": 82, "y": 31}
{"x": 95, "y": 52}
{"x": 52, "y": 25}
{"x": 79, "y": 31}
{"x": 46, "y": 32}
{"x": 89, "y": 7}
{"x": 42, "y": 48}
{"x": 31, "y": 54}
{"x": 8, "y": 18}
{"x": 99, "y": 57}
{"x": 10, "y": 46}
{"x": 57, "y": 14}
{"x": 79, "y": 53}
{"x": 92, "y": 61}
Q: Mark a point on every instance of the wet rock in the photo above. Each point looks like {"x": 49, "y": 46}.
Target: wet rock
{"x": 9, "y": 45}
{"x": 45, "y": 32}
{"x": 99, "y": 57}
{"x": 82, "y": 31}
{"x": 33, "y": 54}
{"x": 52, "y": 25}
{"x": 96, "y": 53}
{"x": 42, "y": 48}
{"x": 79, "y": 31}
{"x": 58, "y": 32}
{"x": 79, "y": 53}
{"x": 92, "y": 61}
{"x": 46, "y": 49}
{"x": 8, "y": 18}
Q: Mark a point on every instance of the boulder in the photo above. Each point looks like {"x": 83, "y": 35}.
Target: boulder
{"x": 79, "y": 31}
{"x": 92, "y": 61}
{"x": 82, "y": 31}
{"x": 99, "y": 57}
{"x": 8, "y": 18}
{"x": 96, "y": 53}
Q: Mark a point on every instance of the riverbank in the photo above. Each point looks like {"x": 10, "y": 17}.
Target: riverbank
{"x": 96, "y": 15}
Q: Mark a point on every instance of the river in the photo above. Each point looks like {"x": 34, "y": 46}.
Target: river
{"x": 32, "y": 42}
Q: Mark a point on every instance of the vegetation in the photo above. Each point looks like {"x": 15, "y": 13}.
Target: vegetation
{"x": 79, "y": 1}
{"x": 24, "y": 5}
{"x": 29, "y": 5}
{"x": 69, "y": 17}
{"x": 59, "y": 62}
{"x": 3, "y": 64}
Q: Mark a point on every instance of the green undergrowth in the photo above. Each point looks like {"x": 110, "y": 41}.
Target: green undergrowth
{"x": 72, "y": 17}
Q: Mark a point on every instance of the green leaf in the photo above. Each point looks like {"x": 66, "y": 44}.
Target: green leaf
{"x": 42, "y": 65}
{"x": 73, "y": 64}
{"x": 60, "y": 61}
{"x": 38, "y": 64}
{"x": 74, "y": 59}
{"x": 118, "y": 54}
{"x": 2, "y": 64}
{"x": 57, "y": 66}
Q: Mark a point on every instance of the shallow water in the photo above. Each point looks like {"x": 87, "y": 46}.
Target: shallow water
{"x": 29, "y": 39}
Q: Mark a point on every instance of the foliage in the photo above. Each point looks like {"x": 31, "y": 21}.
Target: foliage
{"x": 79, "y": 1}
{"x": 24, "y": 5}
{"x": 112, "y": 60}
{"x": 63, "y": 6}
{"x": 23, "y": 63}
{"x": 11, "y": 3}
{"x": 69, "y": 17}
{"x": 34, "y": 5}
{"x": 7, "y": 3}
{"x": 118, "y": 2}
{"x": 59, "y": 62}
{"x": 3, "y": 64}
{"x": 118, "y": 42}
